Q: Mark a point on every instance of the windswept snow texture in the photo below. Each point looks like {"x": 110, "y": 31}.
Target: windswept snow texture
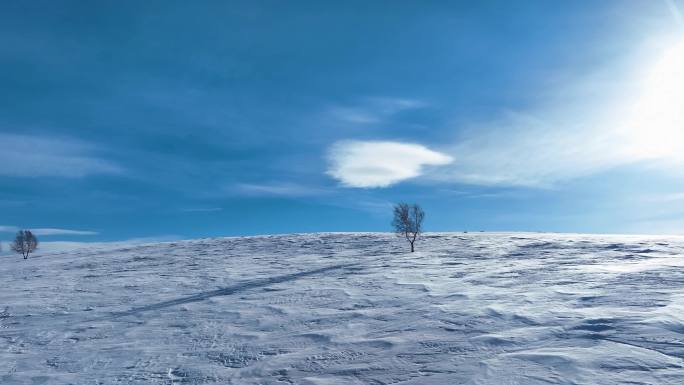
{"x": 321, "y": 309}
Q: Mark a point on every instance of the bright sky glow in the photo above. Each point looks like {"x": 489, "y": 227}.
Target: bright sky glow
{"x": 657, "y": 124}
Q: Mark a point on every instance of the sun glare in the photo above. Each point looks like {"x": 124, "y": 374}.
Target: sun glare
{"x": 656, "y": 120}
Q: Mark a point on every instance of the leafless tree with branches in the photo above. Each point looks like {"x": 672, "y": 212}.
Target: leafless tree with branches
{"x": 408, "y": 221}
{"x": 24, "y": 243}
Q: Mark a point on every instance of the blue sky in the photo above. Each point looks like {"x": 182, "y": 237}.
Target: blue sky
{"x": 164, "y": 120}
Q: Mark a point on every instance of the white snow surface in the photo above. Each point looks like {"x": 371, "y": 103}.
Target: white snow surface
{"x": 352, "y": 308}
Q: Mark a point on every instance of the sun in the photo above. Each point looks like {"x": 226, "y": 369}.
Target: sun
{"x": 656, "y": 121}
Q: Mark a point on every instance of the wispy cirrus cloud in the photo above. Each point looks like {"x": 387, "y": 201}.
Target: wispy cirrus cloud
{"x": 62, "y": 246}
{"x": 369, "y": 164}
{"x": 49, "y": 231}
{"x": 285, "y": 189}
{"x": 669, "y": 197}
{"x": 676, "y": 13}
{"x": 526, "y": 150}
{"x": 33, "y": 156}
{"x": 202, "y": 209}
{"x": 54, "y": 231}
{"x": 372, "y": 110}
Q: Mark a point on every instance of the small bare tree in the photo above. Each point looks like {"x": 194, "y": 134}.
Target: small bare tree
{"x": 24, "y": 243}
{"x": 408, "y": 221}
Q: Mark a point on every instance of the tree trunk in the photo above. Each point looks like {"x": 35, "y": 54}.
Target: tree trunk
{"x": 412, "y": 247}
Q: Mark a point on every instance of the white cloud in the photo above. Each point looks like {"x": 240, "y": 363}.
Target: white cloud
{"x": 31, "y": 156}
{"x": 48, "y": 231}
{"x": 368, "y": 164}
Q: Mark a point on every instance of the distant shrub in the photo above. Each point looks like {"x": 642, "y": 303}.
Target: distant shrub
{"x": 24, "y": 243}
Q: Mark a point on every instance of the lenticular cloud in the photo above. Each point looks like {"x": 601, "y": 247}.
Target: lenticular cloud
{"x": 368, "y": 164}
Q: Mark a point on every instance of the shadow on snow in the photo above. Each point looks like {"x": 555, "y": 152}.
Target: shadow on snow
{"x": 225, "y": 291}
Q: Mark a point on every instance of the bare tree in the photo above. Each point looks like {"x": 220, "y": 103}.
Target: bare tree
{"x": 408, "y": 221}
{"x": 24, "y": 243}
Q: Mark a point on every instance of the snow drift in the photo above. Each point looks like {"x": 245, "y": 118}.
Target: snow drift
{"x": 349, "y": 309}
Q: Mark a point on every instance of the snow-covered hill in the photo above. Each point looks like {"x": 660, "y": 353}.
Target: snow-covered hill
{"x": 349, "y": 309}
